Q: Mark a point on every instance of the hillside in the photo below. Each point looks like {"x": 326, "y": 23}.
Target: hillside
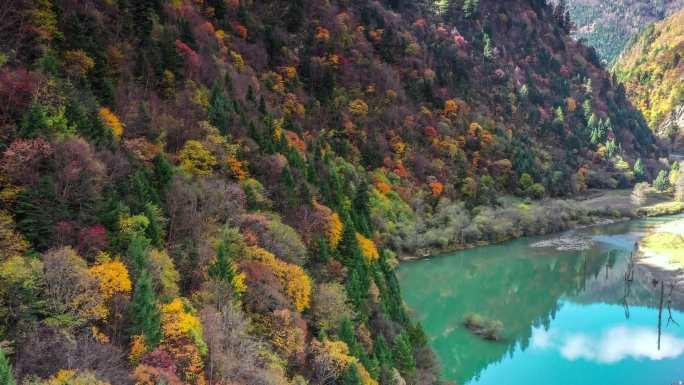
{"x": 653, "y": 73}
{"x": 609, "y": 25}
{"x": 217, "y": 191}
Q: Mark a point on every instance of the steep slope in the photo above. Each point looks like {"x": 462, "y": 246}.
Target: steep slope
{"x": 215, "y": 191}
{"x": 652, "y": 70}
{"x": 609, "y": 25}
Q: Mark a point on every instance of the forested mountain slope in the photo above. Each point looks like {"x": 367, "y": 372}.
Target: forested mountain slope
{"x": 652, "y": 70}
{"x": 215, "y": 191}
{"x": 609, "y": 25}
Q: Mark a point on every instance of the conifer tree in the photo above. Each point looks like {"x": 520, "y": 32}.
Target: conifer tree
{"x": 350, "y": 376}
{"x": 143, "y": 189}
{"x": 394, "y": 304}
{"x": 661, "y": 182}
{"x": 6, "y": 377}
{"x": 348, "y": 248}
{"x": 163, "y": 174}
{"x": 639, "y": 172}
{"x": 361, "y": 210}
{"x": 218, "y": 110}
{"x": 347, "y": 335}
{"x": 144, "y": 313}
{"x": 323, "y": 250}
{"x": 155, "y": 230}
{"x": 417, "y": 335}
{"x": 137, "y": 253}
{"x": 402, "y": 352}
{"x": 357, "y": 286}
{"x": 222, "y": 269}
{"x": 382, "y": 351}
{"x": 291, "y": 198}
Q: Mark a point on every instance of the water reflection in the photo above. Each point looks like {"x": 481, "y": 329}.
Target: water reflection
{"x": 613, "y": 345}
{"x": 526, "y": 288}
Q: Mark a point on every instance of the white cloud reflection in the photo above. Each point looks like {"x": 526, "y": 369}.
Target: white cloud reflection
{"x": 613, "y": 345}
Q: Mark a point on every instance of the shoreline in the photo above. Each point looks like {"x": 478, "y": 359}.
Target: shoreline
{"x": 660, "y": 264}
{"x": 638, "y": 213}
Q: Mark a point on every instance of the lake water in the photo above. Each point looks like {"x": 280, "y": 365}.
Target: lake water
{"x": 570, "y": 317}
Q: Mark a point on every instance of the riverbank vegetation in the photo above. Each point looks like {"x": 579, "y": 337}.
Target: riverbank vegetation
{"x": 450, "y": 225}
{"x": 664, "y": 243}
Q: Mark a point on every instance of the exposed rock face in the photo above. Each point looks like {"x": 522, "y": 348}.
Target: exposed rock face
{"x": 671, "y": 129}
{"x": 609, "y": 25}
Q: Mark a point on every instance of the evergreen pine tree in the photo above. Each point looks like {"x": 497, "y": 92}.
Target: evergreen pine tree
{"x": 639, "y": 172}
{"x": 417, "y": 335}
{"x": 163, "y": 174}
{"x": 218, "y": 110}
{"x": 323, "y": 254}
{"x": 357, "y": 286}
{"x": 155, "y": 230}
{"x": 402, "y": 352}
{"x": 37, "y": 211}
{"x": 6, "y": 377}
{"x": 143, "y": 189}
{"x": 347, "y": 335}
{"x": 661, "y": 182}
{"x": 222, "y": 269}
{"x": 137, "y": 254}
{"x": 382, "y": 351}
{"x": 350, "y": 376}
{"x": 361, "y": 210}
{"x": 395, "y": 305}
{"x": 144, "y": 313}
{"x": 291, "y": 198}
{"x": 348, "y": 248}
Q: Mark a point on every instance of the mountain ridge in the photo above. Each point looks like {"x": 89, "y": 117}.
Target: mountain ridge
{"x": 217, "y": 191}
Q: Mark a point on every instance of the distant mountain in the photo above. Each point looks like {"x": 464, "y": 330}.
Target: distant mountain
{"x": 608, "y": 25}
{"x": 652, "y": 70}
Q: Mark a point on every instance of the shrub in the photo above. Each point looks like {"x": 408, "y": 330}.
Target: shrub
{"x": 483, "y": 327}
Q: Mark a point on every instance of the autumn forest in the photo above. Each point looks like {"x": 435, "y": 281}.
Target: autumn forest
{"x": 219, "y": 192}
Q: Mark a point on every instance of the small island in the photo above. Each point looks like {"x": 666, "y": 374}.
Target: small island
{"x": 483, "y": 327}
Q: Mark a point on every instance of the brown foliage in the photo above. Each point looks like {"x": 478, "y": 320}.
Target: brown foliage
{"x": 46, "y": 350}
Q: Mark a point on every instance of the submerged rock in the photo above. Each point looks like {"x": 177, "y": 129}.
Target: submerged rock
{"x": 486, "y": 328}
{"x": 565, "y": 243}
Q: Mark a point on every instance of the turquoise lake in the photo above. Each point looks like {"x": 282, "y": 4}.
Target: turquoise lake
{"x": 570, "y": 317}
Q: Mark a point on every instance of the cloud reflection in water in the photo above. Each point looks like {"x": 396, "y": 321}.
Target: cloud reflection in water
{"x": 613, "y": 345}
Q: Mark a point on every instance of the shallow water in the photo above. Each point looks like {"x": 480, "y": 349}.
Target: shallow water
{"x": 569, "y": 316}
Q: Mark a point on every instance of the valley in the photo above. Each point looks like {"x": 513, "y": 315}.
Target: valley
{"x": 340, "y": 192}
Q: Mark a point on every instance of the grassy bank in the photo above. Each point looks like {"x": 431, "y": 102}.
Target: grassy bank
{"x": 665, "y": 245}
{"x": 451, "y": 226}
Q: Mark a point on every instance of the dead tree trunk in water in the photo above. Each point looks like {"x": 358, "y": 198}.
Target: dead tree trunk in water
{"x": 669, "y": 306}
{"x": 660, "y": 311}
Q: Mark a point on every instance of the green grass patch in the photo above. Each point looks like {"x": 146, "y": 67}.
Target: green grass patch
{"x": 667, "y": 208}
{"x": 667, "y": 244}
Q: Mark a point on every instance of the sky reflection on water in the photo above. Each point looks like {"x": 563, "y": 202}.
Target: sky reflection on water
{"x": 569, "y": 317}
